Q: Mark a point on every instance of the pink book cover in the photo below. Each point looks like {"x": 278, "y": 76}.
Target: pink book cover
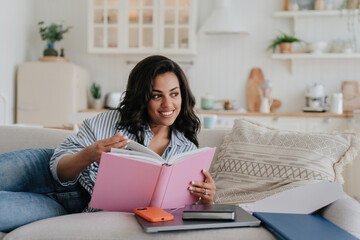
{"x": 123, "y": 184}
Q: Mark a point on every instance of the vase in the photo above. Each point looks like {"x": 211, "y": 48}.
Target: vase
{"x": 285, "y": 47}
{"x": 97, "y": 104}
{"x": 50, "y": 51}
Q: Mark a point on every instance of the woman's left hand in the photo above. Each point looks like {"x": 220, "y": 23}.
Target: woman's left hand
{"x": 205, "y": 190}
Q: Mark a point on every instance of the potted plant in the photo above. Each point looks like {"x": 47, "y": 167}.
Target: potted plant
{"x": 96, "y": 94}
{"x": 51, "y": 34}
{"x": 284, "y": 41}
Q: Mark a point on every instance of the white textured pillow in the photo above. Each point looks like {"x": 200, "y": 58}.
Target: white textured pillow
{"x": 257, "y": 161}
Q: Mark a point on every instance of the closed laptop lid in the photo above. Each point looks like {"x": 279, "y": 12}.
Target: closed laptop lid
{"x": 242, "y": 219}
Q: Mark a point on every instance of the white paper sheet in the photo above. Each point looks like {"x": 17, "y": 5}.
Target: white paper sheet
{"x": 299, "y": 200}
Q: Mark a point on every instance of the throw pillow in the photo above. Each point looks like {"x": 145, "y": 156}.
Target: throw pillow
{"x": 255, "y": 161}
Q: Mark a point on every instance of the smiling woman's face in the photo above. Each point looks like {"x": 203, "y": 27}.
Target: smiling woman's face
{"x": 165, "y": 103}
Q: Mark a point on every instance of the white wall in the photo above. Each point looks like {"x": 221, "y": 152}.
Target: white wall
{"x": 223, "y": 63}
{"x": 16, "y": 17}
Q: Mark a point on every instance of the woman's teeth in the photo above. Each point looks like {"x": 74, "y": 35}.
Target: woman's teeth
{"x": 166, "y": 113}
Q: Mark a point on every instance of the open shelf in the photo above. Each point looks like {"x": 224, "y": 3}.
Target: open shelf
{"x": 316, "y": 56}
{"x": 312, "y": 13}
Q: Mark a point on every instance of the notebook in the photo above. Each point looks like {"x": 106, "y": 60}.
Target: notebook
{"x": 301, "y": 226}
{"x": 242, "y": 219}
{"x": 210, "y": 212}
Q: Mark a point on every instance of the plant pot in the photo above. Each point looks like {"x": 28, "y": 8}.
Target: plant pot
{"x": 50, "y": 51}
{"x": 97, "y": 104}
{"x": 285, "y": 47}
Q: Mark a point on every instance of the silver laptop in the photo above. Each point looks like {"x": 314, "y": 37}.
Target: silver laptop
{"x": 242, "y": 219}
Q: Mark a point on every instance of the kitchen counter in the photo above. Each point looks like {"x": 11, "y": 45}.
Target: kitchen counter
{"x": 275, "y": 114}
{"x": 253, "y": 114}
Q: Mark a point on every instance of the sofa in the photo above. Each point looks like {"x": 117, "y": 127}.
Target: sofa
{"x": 344, "y": 212}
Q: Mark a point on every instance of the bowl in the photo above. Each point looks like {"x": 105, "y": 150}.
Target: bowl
{"x": 317, "y": 47}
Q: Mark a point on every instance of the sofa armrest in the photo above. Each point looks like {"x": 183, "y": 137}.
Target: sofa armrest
{"x": 13, "y": 138}
{"x": 345, "y": 213}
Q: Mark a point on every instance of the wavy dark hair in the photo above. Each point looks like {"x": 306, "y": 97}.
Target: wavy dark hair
{"x": 133, "y": 107}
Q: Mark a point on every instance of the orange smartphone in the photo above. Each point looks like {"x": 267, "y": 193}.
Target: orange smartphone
{"x": 154, "y": 214}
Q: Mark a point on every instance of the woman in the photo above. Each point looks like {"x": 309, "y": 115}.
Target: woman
{"x": 157, "y": 111}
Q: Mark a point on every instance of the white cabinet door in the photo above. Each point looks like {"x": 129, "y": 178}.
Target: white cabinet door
{"x": 177, "y": 26}
{"x": 317, "y": 124}
{"x": 142, "y": 26}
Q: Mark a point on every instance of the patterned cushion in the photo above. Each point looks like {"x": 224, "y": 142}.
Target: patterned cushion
{"x": 256, "y": 161}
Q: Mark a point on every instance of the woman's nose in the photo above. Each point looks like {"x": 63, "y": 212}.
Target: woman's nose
{"x": 167, "y": 102}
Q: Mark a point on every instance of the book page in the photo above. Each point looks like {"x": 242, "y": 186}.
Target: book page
{"x": 134, "y": 146}
{"x": 135, "y": 155}
{"x": 184, "y": 155}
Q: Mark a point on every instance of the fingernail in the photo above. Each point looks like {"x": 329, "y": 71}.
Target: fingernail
{"x": 125, "y": 137}
{"x": 191, "y": 188}
{"x": 126, "y": 146}
{"x": 129, "y": 140}
{"x": 192, "y": 182}
{"x": 192, "y": 191}
{"x": 204, "y": 170}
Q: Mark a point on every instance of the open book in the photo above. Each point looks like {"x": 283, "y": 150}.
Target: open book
{"x": 138, "y": 177}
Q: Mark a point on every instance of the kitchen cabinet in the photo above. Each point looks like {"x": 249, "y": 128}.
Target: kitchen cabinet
{"x": 142, "y": 26}
{"x": 314, "y": 14}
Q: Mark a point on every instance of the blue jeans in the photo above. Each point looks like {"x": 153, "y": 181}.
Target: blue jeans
{"x": 28, "y": 192}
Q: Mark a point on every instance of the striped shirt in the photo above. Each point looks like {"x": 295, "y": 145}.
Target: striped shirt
{"x": 103, "y": 126}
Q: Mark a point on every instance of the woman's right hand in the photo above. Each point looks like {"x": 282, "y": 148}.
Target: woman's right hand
{"x": 70, "y": 166}
{"x": 95, "y": 150}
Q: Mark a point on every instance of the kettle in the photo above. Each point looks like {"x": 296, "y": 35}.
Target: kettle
{"x": 113, "y": 99}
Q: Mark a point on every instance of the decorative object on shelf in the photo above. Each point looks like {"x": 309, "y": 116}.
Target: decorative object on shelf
{"x": 253, "y": 97}
{"x": 293, "y": 5}
{"x": 336, "y": 105}
{"x": 329, "y": 4}
{"x": 207, "y": 102}
{"x": 306, "y": 4}
{"x": 285, "y": 43}
{"x": 209, "y": 121}
{"x": 96, "y": 94}
{"x": 254, "y": 92}
{"x": 351, "y": 8}
{"x": 265, "y": 94}
{"x": 320, "y": 5}
{"x": 351, "y": 96}
{"x": 228, "y": 105}
{"x": 51, "y": 34}
{"x": 317, "y": 47}
{"x": 62, "y": 53}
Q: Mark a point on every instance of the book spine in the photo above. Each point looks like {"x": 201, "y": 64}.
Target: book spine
{"x": 161, "y": 186}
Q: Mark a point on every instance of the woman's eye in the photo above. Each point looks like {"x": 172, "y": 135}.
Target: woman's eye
{"x": 174, "y": 94}
{"x": 155, "y": 96}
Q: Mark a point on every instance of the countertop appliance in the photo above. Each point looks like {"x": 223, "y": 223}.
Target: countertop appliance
{"x": 48, "y": 92}
{"x": 315, "y": 98}
{"x": 113, "y": 99}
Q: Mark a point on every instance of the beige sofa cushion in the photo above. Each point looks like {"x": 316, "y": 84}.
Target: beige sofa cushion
{"x": 116, "y": 225}
{"x": 256, "y": 161}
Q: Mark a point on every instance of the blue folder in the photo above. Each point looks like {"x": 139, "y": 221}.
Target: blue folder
{"x": 301, "y": 226}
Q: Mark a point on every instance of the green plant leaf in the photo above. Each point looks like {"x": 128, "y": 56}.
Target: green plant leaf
{"x": 53, "y": 32}
{"x": 282, "y": 38}
{"x": 95, "y": 90}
